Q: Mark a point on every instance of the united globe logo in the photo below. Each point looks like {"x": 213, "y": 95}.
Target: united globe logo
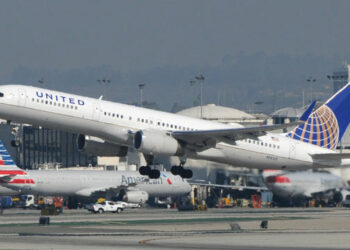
{"x": 320, "y": 129}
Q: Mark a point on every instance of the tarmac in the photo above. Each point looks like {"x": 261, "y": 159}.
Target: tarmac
{"x": 229, "y": 228}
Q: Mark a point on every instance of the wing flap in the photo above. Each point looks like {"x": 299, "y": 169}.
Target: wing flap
{"x": 203, "y": 139}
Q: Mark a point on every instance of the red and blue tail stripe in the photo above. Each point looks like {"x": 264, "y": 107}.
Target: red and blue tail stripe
{"x": 10, "y": 173}
{"x": 5, "y": 158}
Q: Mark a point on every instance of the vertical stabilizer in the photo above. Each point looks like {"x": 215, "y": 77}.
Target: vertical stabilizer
{"x": 326, "y": 126}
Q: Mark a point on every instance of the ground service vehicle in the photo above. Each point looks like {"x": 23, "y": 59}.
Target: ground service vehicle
{"x": 107, "y": 206}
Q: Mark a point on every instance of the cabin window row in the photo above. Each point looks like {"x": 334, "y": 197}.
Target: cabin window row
{"x": 113, "y": 115}
{"x": 58, "y": 104}
{"x": 260, "y": 143}
{"x": 149, "y": 121}
{"x": 167, "y": 125}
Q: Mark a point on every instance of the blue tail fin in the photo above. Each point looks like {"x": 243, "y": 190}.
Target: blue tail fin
{"x": 326, "y": 126}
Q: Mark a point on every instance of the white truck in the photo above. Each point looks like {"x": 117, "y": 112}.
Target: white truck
{"x": 107, "y": 206}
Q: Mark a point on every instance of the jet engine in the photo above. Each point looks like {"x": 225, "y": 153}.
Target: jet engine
{"x": 98, "y": 147}
{"x": 135, "y": 196}
{"x": 155, "y": 142}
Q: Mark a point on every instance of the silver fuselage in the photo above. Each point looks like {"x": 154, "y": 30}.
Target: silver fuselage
{"x": 75, "y": 182}
{"x": 303, "y": 184}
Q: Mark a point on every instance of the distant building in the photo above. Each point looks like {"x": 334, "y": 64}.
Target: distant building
{"x": 223, "y": 114}
{"x": 40, "y": 147}
{"x": 289, "y": 114}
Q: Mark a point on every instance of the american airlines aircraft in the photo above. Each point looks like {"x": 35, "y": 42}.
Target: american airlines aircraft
{"x": 303, "y": 185}
{"x": 132, "y": 186}
{"x": 110, "y": 128}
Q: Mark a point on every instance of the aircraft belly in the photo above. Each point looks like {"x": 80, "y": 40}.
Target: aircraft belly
{"x": 72, "y": 124}
{"x": 247, "y": 158}
{"x": 152, "y": 189}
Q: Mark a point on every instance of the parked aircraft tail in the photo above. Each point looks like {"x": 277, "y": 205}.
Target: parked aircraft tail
{"x": 326, "y": 126}
{"x": 8, "y": 168}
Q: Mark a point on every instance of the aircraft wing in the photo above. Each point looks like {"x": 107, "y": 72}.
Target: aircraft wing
{"x": 231, "y": 186}
{"x": 115, "y": 189}
{"x": 204, "y": 139}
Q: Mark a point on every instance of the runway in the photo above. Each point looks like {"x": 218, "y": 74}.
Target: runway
{"x": 311, "y": 228}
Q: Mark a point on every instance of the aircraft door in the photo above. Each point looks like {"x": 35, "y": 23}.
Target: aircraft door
{"x": 292, "y": 150}
{"x": 28, "y": 181}
{"x": 83, "y": 179}
{"x": 21, "y": 97}
{"x": 96, "y": 111}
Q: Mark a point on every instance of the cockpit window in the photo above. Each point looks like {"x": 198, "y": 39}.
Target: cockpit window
{"x": 1, "y": 94}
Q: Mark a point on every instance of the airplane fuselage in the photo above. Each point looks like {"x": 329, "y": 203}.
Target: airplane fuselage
{"x": 303, "y": 184}
{"x": 115, "y": 122}
{"x": 76, "y": 182}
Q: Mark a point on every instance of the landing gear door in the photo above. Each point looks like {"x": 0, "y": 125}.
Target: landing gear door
{"x": 21, "y": 97}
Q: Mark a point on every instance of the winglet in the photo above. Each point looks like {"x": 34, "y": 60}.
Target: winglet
{"x": 307, "y": 113}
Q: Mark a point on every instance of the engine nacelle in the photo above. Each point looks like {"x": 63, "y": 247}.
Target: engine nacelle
{"x": 155, "y": 142}
{"x": 98, "y": 147}
{"x": 136, "y": 197}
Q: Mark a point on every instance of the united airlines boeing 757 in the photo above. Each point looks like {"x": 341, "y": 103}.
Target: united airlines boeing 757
{"x": 110, "y": 128}
{"x": 128, "y": 185}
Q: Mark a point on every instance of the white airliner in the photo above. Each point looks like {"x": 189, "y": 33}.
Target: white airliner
{"x": 128, "y": 185}
{"x": 303, "y": 185}
{"x": 111, "y": 128}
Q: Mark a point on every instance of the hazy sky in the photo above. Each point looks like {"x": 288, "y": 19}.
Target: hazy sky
{"x": 247, "y": 50}
{"x": 140, "y": 35}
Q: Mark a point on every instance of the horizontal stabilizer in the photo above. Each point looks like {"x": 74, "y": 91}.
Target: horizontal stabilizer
{"x": 331, "y": 156}
{"x": 4, "y": 178}
{"x": 331, "y": 159}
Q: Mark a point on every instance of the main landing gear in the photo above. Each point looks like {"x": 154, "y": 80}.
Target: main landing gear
{"x": 146, "y": 170}
{"x": 180, "y": 170}
{"x": 155, "y": 173}
{"x": 152, "y": 173}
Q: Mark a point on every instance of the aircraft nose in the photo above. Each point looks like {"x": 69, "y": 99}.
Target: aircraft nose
{"x": 277, "y": 179}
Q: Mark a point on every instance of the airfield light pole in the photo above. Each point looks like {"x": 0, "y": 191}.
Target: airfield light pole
{"x": 103, "y": 82}
{"x": 200, "y": 79}
{"x": 311, "y": 80}
{"x": 141, "y": 87}
{"x": 257, "y": 103}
